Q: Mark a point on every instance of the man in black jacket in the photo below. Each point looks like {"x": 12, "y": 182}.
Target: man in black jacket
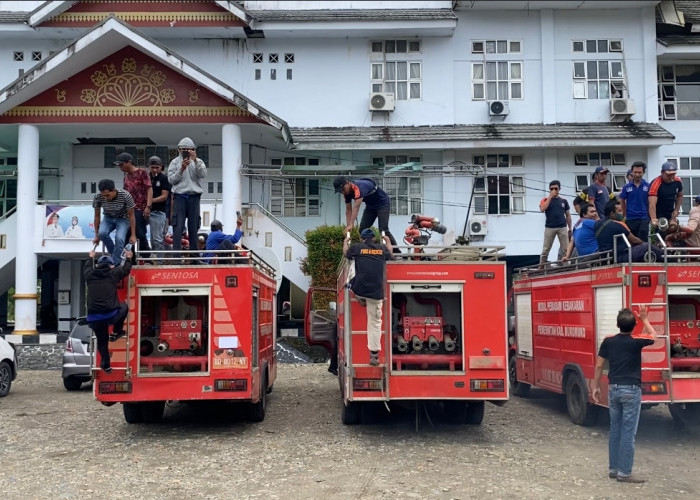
{"x": 103, "y": 307}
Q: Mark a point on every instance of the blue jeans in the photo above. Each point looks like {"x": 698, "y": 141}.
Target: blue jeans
{"x": 157, "y": 223}
{"x": 114, "y": 248}
{"x": 625, "y": 404}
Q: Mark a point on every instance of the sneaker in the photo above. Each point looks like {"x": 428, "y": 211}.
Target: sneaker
{"x": 334, "y": 371}
{"x": 630, "y": 479}
{"x": 612, "y": 474}
{"x": 374, "y": 358}
{"x": 116, "y": 335}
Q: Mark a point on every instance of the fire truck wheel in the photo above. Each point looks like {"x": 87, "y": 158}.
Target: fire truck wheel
{"x": 475, "y": 413}
{"x": 132, "y": 413}
{"x": 580, "y": 412}
{"x": 455, "y": 411}
{"x": 518, "y": 388}
{"x": 256, "y": 411}
{"x": 685, "y": 415}
{"x": 351, "y": 413}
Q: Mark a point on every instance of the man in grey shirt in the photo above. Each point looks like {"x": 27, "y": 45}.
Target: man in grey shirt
{"x": 185, "y": 175}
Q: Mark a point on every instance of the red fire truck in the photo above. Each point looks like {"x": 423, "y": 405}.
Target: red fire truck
{"x": 202, "y": 331}
{"x": 444, "y": 334}
{"x": 563, "y": 314}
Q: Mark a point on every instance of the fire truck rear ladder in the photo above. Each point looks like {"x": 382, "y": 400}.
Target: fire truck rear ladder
{"x": 667, "y": 371}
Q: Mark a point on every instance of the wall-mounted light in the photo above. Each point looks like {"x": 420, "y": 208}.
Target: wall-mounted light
{"x": 249, "y": 222}
{"x": 205, "y": 218}
{"x": 3, "y": 241}
{"x": 268, "y": 239}
{"x": 288, "y": 254}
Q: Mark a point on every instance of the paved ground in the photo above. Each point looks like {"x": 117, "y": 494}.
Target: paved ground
{"x": 59, "y": 444}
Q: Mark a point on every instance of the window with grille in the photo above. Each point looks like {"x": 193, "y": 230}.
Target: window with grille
{"x": 295, "y": 197}
{"x": 596, "y": 46}
{"x": 614, "y": 181}
{"x": 497, "y": 80}
{"x": 679, "y": 92}
{"x": 498, "y": 160}
{"x": 396, "y": 68}
{"x": 499, "y": 194}
{"x": 598, "y": 79}
{"x": 689, "y": 172}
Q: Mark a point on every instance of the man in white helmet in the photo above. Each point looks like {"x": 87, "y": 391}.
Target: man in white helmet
{"x": 185, "y": 175}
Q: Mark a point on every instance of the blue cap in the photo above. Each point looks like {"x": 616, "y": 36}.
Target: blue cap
{"x": 367, "y": 234}
{"x": 697, "y": 199}
{"x": 601, "y": 169}
{"x": 105, "y": 259}
{"x": 669, "y": 167}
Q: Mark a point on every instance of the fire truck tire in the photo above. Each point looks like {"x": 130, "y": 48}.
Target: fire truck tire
{"x": 132, "y": 413}
{"x": 685, "y": 415}
{"x": 580, "y": 411}
{"x": 520, "y": 389}
{"x": 256, "y": 411}
{"x": 475, "y": 413}
{"x": 351, "y": 413}
{"x": 455, "y": 411}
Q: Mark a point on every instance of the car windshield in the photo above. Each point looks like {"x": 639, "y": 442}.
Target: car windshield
{"x": 82, "y": 331}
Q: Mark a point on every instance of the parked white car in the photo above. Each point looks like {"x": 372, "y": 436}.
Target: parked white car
{"x": 8, "y": 366}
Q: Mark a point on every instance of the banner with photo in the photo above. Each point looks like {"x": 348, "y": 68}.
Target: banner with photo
{"x": 69, "y": 222}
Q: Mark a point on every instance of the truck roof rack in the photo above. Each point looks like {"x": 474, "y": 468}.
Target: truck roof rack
{"x": 451, "y": 253}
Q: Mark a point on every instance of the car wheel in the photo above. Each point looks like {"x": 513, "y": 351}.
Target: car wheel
{"x": 72, "y": 383}
{"x": 132, "y": 413}
{"x": 5, "y": 378}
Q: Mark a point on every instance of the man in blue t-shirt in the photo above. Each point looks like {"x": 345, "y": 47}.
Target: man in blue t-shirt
{"x": 557, "y": 221}
{"x": 584, "y": 240}
{"x": 634, "y": 199}
{"x": 606, "y": 229}
{"x": 598, "y": 192}
{"x": 377, "y": 204}
{"x": 217, "y": 240}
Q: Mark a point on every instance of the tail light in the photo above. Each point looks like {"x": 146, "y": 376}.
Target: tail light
{"x": 236, "y": 384}
{"x": 115, "y": 387}
{"x": 69, "y": 346}
{"x": 367, "y": 384}
{"x": 497, "y": 385}
{"x": 653, "y": 388}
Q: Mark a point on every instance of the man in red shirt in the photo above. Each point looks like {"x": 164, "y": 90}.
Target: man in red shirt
{"x": 137, "y": 182}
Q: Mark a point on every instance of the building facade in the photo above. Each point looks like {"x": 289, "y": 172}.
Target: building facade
{"x": 460, "y": 110}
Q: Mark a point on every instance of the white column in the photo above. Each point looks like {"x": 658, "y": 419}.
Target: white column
{"x": 231, "y": 162}
{"x": 26, "y": 261}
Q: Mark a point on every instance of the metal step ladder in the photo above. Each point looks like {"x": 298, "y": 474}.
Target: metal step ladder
{"x": 667, "y": 371}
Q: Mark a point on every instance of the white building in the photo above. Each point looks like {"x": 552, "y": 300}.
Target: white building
{"x": 461, "y": 110}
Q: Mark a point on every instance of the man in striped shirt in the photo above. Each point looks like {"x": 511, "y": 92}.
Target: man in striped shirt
{"x": 118, "y": 207}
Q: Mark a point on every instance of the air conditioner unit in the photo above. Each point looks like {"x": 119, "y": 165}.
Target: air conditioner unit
{"x": 381, "y": 101}
{"x": 499, "y": 108}
{"x": 477, "y": 227}
{"x": 619, "y": 106}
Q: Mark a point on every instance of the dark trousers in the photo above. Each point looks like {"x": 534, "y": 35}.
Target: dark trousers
{"x": 185, "y": 207}
{"x": 141, "y": 225}
{"x": 101, "y": 331}
{"x": 639, "y": 228}
{"x": 382, "y": 216}
{"x": 639, "y": 253}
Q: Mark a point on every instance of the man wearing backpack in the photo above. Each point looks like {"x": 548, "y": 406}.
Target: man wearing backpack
{"x": 377, "y": 204}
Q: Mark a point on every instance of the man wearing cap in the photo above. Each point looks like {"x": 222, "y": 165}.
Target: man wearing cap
{"x": 138, "y": 184}
{"x": 598, "y": 192}
{"x": 665, "y": 194}
{"x": 377, "y": 204}
{"x": 689, "y": 234}
{"x": 103, "y": 306}
{"x": 118, "y": 207}
{"x": 634, "y": 199}
{"x": 217, "y": 240}
{"x": 185, "y": 175}
{"x": 161, "y": 193}
{"x": 368, "y": 285}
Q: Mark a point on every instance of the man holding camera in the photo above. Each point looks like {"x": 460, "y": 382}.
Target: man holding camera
{"x": 185, "y": 175}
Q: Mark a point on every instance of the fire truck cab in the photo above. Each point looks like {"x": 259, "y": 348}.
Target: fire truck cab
{"x": 563, "y": 313}
{"x": 443, "y": 334}
{"x": 195, "y": 331}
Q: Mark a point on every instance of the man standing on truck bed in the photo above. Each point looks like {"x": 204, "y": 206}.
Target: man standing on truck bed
{"x": 624, "y": 353}
{"x": 368, "y": 284}
{"x": 377, "y": 204}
